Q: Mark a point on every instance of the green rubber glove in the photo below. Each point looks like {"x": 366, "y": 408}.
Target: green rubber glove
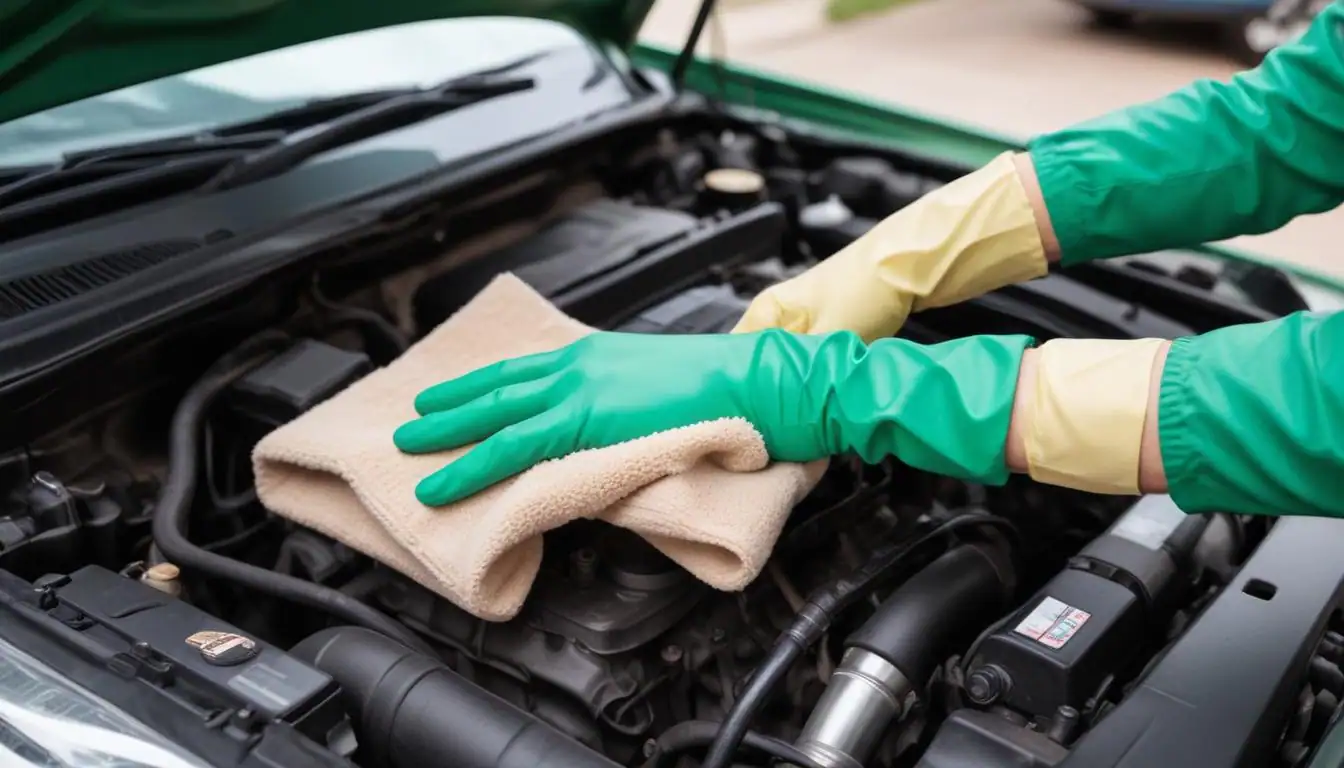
{"x": 1213, "y": 160}
{"x": 944, "y": 408}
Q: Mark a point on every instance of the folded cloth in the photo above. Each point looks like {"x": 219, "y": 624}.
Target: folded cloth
{"x": 706, "y": 495}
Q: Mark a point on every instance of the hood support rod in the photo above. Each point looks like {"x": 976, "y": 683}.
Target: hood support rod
{"x": 692, "y": 42}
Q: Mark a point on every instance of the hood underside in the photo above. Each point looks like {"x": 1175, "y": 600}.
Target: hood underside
{"x": 53, "y": 52}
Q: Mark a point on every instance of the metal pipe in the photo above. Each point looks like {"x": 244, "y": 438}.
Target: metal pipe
{"x": 892, "y": 657}
{"x": 865, "y": 694}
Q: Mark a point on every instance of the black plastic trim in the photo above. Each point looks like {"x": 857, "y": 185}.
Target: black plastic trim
{"x": 1221, "y": 695}
{"x": 40, "y": 343}
{"x": 754, "y": 234}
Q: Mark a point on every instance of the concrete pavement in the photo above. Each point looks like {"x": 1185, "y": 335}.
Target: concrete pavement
{"x": 1017, "y": 68}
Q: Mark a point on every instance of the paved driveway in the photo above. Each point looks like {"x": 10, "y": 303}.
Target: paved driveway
{"x": 1018, "y": 67}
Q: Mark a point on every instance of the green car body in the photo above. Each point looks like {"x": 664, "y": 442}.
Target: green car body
{"x": 56, "y": 53}
{"x": 401, "y": 203}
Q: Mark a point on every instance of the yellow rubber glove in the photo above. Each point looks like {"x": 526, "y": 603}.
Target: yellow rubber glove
{"x": 963, "y": 240}
{"x": 1085, "y": 418}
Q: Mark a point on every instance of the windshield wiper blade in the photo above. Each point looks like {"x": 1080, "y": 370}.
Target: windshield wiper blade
{"x": 233, "y": 155}
{"x": 175, "y": 146}
{"x": 315, "y": 111}
{"x": 381, "y": 116}
{"x": 119, "y": 188}
{"x": 312, "y": 112}
{"x": 91, "y": 166}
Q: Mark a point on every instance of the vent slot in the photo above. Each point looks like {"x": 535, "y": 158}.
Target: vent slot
{"x": 44, "y": 289}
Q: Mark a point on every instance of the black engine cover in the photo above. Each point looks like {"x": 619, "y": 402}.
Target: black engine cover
{"x": 609, "y": 260}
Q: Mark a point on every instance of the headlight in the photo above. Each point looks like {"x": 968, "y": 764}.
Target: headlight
{"x": 46, "y": 721}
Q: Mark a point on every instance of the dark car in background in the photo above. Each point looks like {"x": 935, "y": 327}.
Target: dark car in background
{"x": 1250, "y": 28}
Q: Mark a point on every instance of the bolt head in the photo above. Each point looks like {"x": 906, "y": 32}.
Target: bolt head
{"x": 985, "y": 685}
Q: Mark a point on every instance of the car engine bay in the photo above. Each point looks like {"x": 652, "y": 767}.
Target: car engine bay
{"x": 904, "y": 619}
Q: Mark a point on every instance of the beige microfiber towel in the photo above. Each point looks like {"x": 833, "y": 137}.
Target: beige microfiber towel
{"x": 706, "y": 495}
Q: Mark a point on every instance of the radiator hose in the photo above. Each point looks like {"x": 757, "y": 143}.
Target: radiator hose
{"x": 813, "y": 620}
{"x": 413, "y": 711}
{"x": 896, "y": 652}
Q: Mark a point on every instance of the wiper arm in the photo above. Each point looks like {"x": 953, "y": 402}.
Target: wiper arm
{"x": 381, "y": 116}
{"x": 111, "y": 188}
{"x": 91, "y": 182}
{"x": 230, "y": 156}
{"x": 315, "y": 111}
{"x": 294, "y": 133}
{"x": 92, "y": 166}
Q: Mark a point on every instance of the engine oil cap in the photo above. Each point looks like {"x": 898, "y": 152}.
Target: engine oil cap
{"x": 224, "y": 649}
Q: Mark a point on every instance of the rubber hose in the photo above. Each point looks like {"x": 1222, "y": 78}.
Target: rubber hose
{"x": 812, "y": 621}
{"x": 391, "y": 336}
{"x": 175, "y": 500}
{"x": 735, "y": 726}
{"x": 413, "y": 711}
{"x": 939, "y": 607}
{"x": 698, "y": 733}
{"x": 898, "y": 649}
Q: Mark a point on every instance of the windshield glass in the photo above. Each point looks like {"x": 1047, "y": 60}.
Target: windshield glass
{"x": 416, "y": 54}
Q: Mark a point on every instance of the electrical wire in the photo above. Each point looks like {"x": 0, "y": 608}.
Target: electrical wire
{"x": 691, "y": 734}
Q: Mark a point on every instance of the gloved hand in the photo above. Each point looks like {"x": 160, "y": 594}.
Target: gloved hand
{"x": 944, "y": 407}
{"x": 965, "y": 239}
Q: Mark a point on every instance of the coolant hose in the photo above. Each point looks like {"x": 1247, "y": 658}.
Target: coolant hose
{"x": 179, "y": 490}
{"x": 898, "y": 650}
{"x": 413, "y": 711}
{"x": 944, "y": 604}
{"x": 812, "y": 621}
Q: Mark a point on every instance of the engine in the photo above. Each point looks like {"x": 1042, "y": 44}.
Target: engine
{"x": 903, "y": 620}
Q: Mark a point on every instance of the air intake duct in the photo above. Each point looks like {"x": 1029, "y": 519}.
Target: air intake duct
{"x": 413, "y": 711}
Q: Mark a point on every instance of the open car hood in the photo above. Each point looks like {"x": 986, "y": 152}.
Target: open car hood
{"x": 53, "y": 52}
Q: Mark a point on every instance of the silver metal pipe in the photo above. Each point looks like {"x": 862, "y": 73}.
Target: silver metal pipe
{"x": 866, "y": 694}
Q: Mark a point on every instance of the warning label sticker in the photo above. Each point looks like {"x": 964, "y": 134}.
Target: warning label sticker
{"x": 1052, "y": 623}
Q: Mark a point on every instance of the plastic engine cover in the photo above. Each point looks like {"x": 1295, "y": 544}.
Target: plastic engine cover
{"x": 707, "y": 309}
